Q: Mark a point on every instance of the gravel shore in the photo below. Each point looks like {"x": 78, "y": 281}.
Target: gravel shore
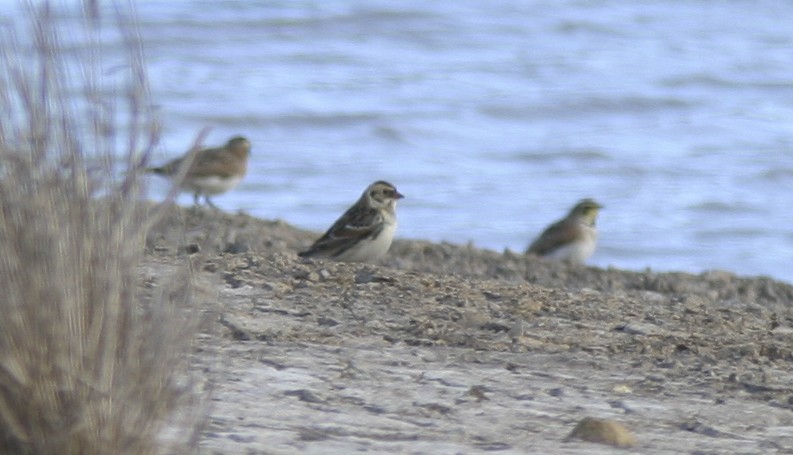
{"x": 447, "y": 348}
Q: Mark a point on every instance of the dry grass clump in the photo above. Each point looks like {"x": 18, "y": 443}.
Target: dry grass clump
{"x": 86, "y": 366}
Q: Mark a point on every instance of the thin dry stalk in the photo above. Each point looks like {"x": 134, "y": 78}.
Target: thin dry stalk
{"x": 86, "y": 366}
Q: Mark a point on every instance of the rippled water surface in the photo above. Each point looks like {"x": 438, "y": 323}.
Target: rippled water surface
{"x": 495, "y": 117}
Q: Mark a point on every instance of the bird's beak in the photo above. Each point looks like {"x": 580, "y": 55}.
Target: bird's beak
{"x": 398, "y": 195}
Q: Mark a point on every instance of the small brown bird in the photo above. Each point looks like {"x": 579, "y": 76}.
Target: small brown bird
{"x": 212, "y": 171}
{"x": 571, "y": 239}
{"x": 365, "y": 231}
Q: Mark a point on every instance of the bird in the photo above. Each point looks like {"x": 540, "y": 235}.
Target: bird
{"x": 212, "y": 171}
{"x": 572, "y": 239}
{"x": 365, "y": 231}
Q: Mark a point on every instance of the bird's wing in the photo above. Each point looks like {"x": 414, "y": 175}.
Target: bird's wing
{"x": 353, "y": 226}
{"x": 213, "y": 162}
{"x": 217, "y": 162}
{"x": 556, "y": 235}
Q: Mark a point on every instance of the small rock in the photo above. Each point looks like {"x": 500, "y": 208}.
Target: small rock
{"x": 603, "y": 431}
{"x": 518, "y": 329}
{"x": 695, "y": 426}
{"x": 327, "y": 322}
{"x": 277, "y": 287}
{"x": 530, "y": 305}
{"x": 241, "y": 439}
{"x": 619, "y": 404}
{"x": 161, "y": 249}
{"x": 435, "y": 408}
{"x": 511, "y": 367}
{"x": 492, "y": 446}
{"x": 310, "y": 434}
{"x": 236, "y": 332}
{"x": 233, "y": 280}
{"x": 622, "y": 388}
{"x": 639, "y": 328}
{"x": 492, "y": 296}
{"x": 366, "y": 276}
{"x": 238, "y": 263}
{"x": 301, "y": 274}
{"x": 557, "y": 392}
{"x": 477, "y": 392}
{"x": 191, "y": 248}
{"x": 495, "y": 327}
{"x": 237, "y": 247}
{"x": 653, "y": 297}
{"x": 304, "y": 395}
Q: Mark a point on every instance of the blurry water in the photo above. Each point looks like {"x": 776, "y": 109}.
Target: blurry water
{"x": 495, "y": 117}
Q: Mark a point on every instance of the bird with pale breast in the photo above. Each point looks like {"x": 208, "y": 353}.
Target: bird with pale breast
{"x": 365, "y": 231}
{"x": 573, "y": 238}
{"x": 212, "y": 171}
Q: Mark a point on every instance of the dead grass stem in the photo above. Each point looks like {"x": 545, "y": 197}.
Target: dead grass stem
{"x": 86, "y": 365}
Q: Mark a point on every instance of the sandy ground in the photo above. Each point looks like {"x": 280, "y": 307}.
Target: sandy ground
{"x": 447, "y": 349}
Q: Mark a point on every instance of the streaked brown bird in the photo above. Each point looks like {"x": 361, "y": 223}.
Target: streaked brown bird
{"x": 212, "y": 171}
{"x": 573, "y": 238}
{"x": 365, "y": 231}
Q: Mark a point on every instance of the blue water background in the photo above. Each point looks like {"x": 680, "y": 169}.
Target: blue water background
{"x": 494, "y": 117}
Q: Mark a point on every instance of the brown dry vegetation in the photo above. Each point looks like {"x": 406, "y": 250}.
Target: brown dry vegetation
{"x": 86, "y": 367}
